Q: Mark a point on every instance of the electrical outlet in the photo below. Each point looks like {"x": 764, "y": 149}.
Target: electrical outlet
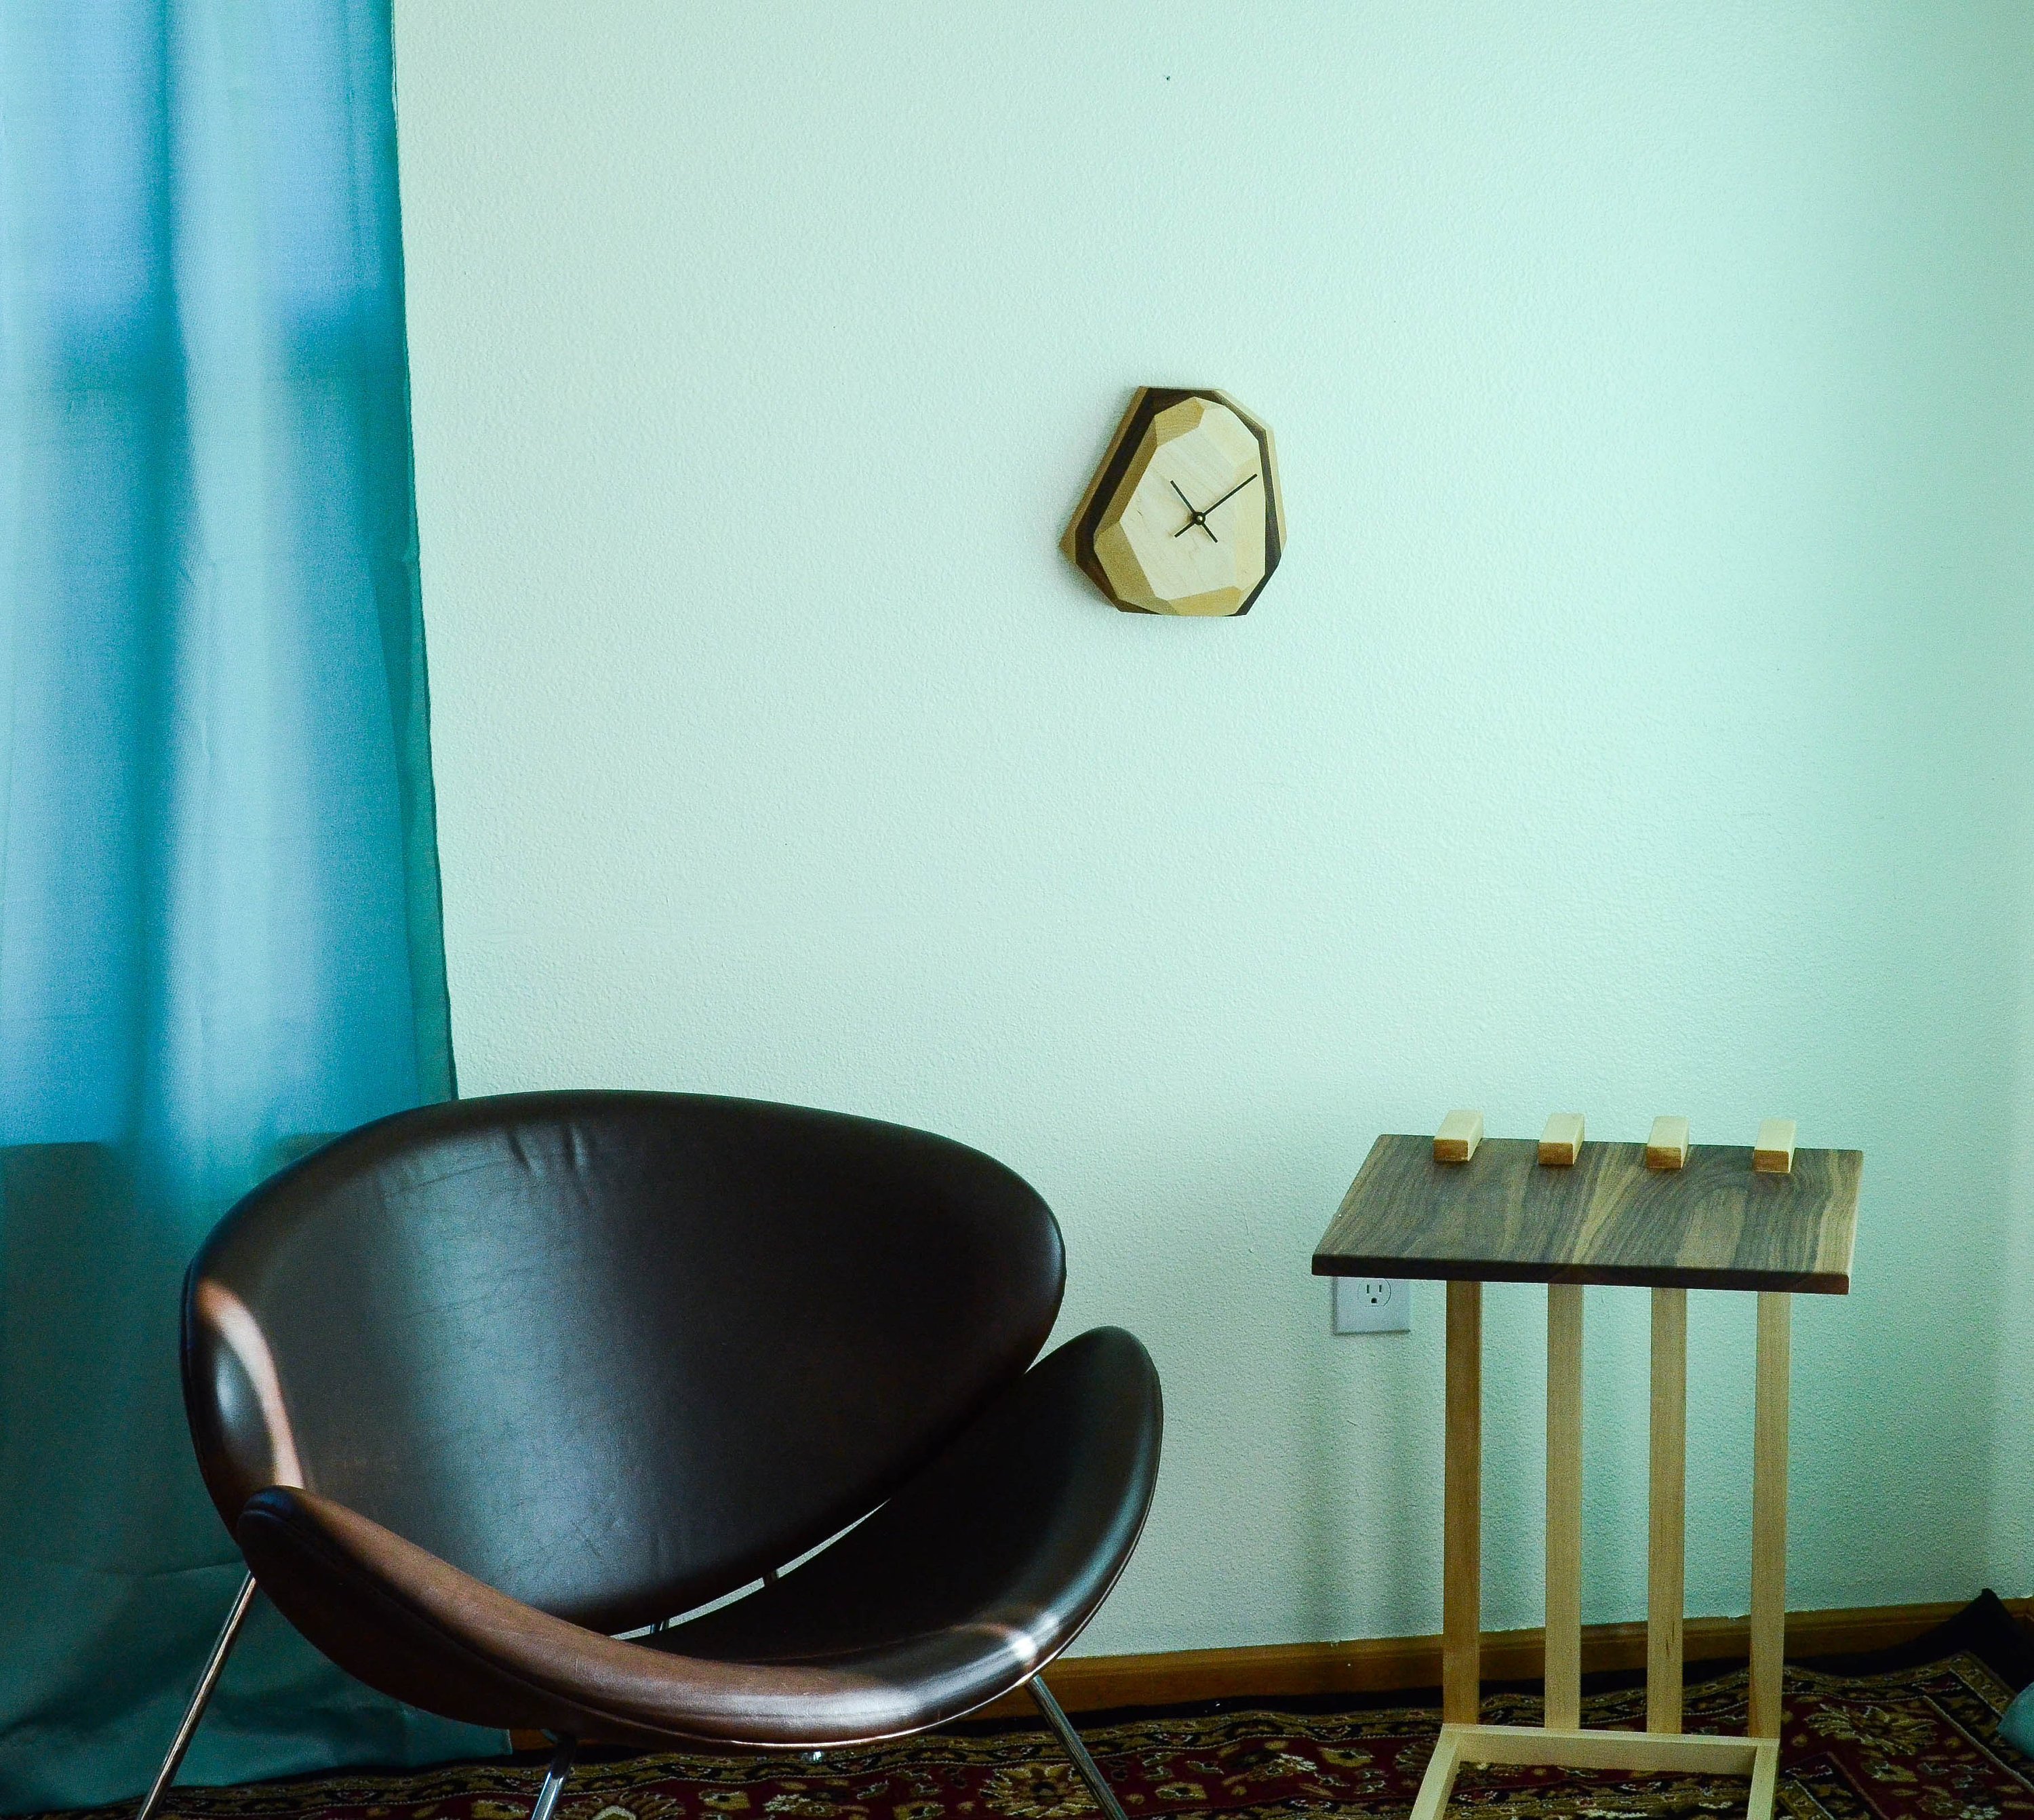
{"x": 1372, "y": 1305}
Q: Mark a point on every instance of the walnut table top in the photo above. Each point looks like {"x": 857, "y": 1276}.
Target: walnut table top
{"x": 1503, "y": 1217}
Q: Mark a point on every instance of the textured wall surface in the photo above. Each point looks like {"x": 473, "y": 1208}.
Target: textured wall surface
{"x": 1638, "y": 720}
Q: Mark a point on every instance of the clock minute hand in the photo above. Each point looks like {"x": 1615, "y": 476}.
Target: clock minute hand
{"x": 1233, "y": 492}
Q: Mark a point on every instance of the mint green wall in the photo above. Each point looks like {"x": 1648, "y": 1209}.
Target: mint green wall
{"x": 1638, "y": 722}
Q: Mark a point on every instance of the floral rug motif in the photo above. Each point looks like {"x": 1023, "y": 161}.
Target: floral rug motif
{"x": 1918, "y": 1741}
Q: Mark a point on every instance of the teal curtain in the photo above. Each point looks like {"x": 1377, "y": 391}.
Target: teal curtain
{"x": 218, "y": 922}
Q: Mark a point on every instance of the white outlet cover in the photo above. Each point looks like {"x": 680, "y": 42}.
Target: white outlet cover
{"x": 1372, "y": 1305}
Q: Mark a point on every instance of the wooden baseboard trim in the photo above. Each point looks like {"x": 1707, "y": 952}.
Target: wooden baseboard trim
{"x": 1390, "y": 1664}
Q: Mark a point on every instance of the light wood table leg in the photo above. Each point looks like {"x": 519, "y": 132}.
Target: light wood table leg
{"x": 1439, "y": 1782}
{"x": 1764, "y": 1785}
{"x": 1769, "y": 1512}
{"x": 1667, "y": 1555}
{"x": 1564, "y": 1505}
{"x": 1462, "y": 1571}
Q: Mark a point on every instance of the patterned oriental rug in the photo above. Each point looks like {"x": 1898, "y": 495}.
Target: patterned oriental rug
{"x": 1911, "y": 1732}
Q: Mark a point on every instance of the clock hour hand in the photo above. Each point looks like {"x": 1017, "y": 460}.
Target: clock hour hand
{"x": 1194, "y": 518}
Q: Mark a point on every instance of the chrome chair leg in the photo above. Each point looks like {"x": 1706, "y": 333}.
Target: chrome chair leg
{"x": 1091, "y": 1772}
{"x": 199, "y": 1699}
{"x": 554, "y": 1779}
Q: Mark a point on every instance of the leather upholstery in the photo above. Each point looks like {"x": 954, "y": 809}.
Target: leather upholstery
{"x": 477, "y": 1383}
{"x": 983, "y": 1568}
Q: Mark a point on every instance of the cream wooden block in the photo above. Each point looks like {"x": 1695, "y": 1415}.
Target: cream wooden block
{"x": 1773, "y": 1153}
{"x": 1667, "y": 1148}
{"x": 1184, "y": 516}
{"x": 1561, "y": 1142}
{"x": 1456, "y": 1141}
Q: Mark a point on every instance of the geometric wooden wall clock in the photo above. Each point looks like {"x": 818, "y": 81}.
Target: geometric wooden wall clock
{"x": 1183, "y": 516}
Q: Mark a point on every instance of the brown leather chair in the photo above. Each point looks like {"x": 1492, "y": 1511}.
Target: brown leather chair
{"x": 490, "y": 1393}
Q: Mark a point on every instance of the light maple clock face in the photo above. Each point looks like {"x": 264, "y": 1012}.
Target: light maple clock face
{"x": 1184, "y": 515}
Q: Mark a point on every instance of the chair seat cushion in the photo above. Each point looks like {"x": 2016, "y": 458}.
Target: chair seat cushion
{"x": 980, "y": 1571}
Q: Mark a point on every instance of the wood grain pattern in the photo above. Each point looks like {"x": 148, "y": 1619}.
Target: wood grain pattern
{"x": 1769, "y": 1512}
{"x": 1092, "y": 540}
{"x": 1164, "y": 544}
{"x": 1666, "y": 1570}
{"x": 1564, "y": 1505}
{"x": 1713, "y": 1225}
{"x": 1461, "y": 1558}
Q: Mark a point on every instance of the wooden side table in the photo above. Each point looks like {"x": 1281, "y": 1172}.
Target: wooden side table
{"x": 1714, "y": 1224}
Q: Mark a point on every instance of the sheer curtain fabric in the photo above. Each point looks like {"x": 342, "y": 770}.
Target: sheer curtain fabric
{"x": 218, "y": 924}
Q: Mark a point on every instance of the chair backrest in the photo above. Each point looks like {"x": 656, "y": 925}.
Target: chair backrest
{"x": 613, "y": 1353}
